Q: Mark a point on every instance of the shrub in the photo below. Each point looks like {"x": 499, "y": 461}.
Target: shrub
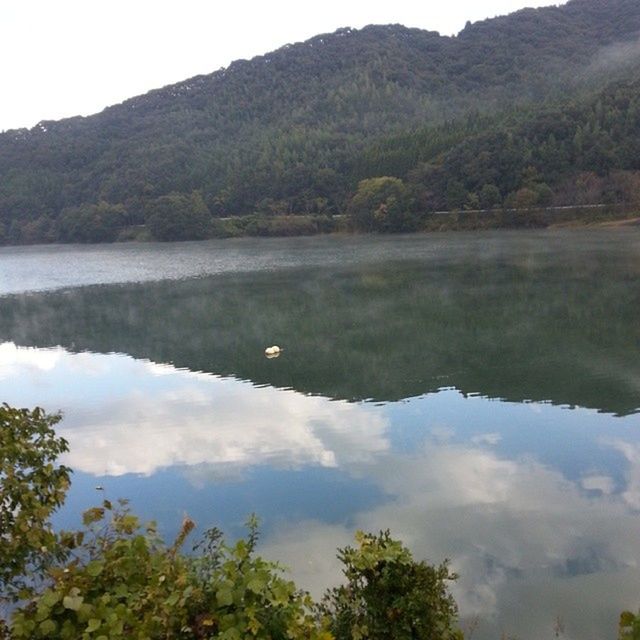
{"x": 389, "y": 595}
{"x": 125, "y": 583}
{"x": 381, "y": 204}
{"x": 100, "y": 222}
{"x": 115, "y": 578}
{"x": 178, "y": 217}
{"x": 32, "y": 487}
{"x": 629, "y": 626}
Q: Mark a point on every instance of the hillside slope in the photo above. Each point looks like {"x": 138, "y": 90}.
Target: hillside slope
{"x": 286, "y": 132}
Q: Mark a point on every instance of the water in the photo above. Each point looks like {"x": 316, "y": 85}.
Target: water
{"x": 477, "y": 394}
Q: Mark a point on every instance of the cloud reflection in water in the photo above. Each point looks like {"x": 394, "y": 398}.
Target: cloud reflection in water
{"x": 130, "y": 416}
{"x": 530, "y": 540}
{"x": 528, "y": 544}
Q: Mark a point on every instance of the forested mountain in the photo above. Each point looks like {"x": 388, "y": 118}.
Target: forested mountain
{"x": 517, "y": 110}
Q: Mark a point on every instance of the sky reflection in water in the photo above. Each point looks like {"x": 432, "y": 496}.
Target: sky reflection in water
{"x": 536, "y": 504}
{"x": 477, "y": 394}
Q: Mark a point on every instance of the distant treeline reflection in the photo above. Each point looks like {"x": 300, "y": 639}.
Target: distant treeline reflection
{"x": 529, "y": 327}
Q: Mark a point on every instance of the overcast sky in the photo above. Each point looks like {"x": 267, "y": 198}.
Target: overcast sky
{"x": 74, "y": 57}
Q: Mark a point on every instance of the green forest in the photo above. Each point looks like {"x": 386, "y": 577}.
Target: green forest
{"x": 371, "y": 129}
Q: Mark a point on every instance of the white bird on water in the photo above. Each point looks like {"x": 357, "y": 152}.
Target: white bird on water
{"x": 273, "y": 352}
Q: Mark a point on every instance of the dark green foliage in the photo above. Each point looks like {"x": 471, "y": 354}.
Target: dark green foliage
{"x": 577, "y": 153}
{"x": 390, "y": 596}
{"x": 32, "y": 487}
{"x": 179, "y": 217}
{"x": 268, "y": 226}
{"x": 296, "y": 130}
{"x": 381, "y": 204}
{"x": 489, "y": 196}
{"x": 127, "y": 584}
{"x": 92, "y": 223}
{"x": 629, "y": 626}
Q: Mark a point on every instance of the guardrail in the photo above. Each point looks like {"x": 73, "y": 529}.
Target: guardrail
{"x": 572, "y": 207}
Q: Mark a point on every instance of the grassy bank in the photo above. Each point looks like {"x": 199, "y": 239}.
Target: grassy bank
{"x": 257, "y": 225}
{"x": 292, "y": 225}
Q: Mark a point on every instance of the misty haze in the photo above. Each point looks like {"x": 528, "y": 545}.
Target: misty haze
{"x": 381, "y": 278}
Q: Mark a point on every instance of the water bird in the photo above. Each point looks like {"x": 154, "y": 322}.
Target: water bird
{"x": 273, "y": 352}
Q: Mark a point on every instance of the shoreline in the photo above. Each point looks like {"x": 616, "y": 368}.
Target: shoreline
{"x": 289, "y": 226}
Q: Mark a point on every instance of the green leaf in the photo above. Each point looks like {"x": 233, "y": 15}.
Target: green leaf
{"x": 256, "y": 585}
{"x": 72, "y": 602}
{"x": 94, "y": 568}
{"x": 48, "y": 627}
{"x": 224, "y": 597}
{"x": 127, "y": 523}
{"x": 93, "y": 625}
{"x": 281, "y": 593}
{"x": 42, "y": 612}
{"x": 92, "y": 515}
{"x": 50, "y": 598}
{"x": 172, "y": 600}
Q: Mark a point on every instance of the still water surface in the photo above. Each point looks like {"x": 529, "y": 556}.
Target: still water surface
{"x": 479, "y": 395}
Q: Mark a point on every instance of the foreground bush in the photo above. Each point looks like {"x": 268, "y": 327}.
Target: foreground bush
{"x": 115, "y": 578}
{"x": 32, "y": 487}
{"x": 629, "y": 626}
{"x": 126, "y": 584}
{"x": 390, "y": 595}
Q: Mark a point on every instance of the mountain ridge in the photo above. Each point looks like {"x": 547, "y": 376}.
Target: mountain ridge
{"x": 279, "y": 133}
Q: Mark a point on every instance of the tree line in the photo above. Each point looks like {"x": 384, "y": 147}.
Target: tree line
{"x": 513, "y": 111}
{"x": 578, "y": 153}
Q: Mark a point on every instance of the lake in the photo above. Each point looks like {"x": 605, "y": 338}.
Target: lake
{"x": 478, "y": 394}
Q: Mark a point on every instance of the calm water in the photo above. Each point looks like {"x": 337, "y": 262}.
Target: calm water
{"x": 477, "y": 394}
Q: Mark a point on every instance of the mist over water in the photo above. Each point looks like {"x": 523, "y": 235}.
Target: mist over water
{"x": 50, "y": 267}
{"x": 477, "y": 394}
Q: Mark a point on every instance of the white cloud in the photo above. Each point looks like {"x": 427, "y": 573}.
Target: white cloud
{"x": 528, "y": 543}
{"x": 631, "y": 451}
{"x": 489, "y": 439}
{"x": 227, "y": 424}
{"x": 75, "y": 57}
{"x": 442, "y": 433}
{"x": 509, "y": 526}
{"x": 604, "y": 484}
{"x": 155, "y": 416}
{"x": 28, "y": 359}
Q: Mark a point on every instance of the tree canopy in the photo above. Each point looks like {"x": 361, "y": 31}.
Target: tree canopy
{"x": 296, "y": 130}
